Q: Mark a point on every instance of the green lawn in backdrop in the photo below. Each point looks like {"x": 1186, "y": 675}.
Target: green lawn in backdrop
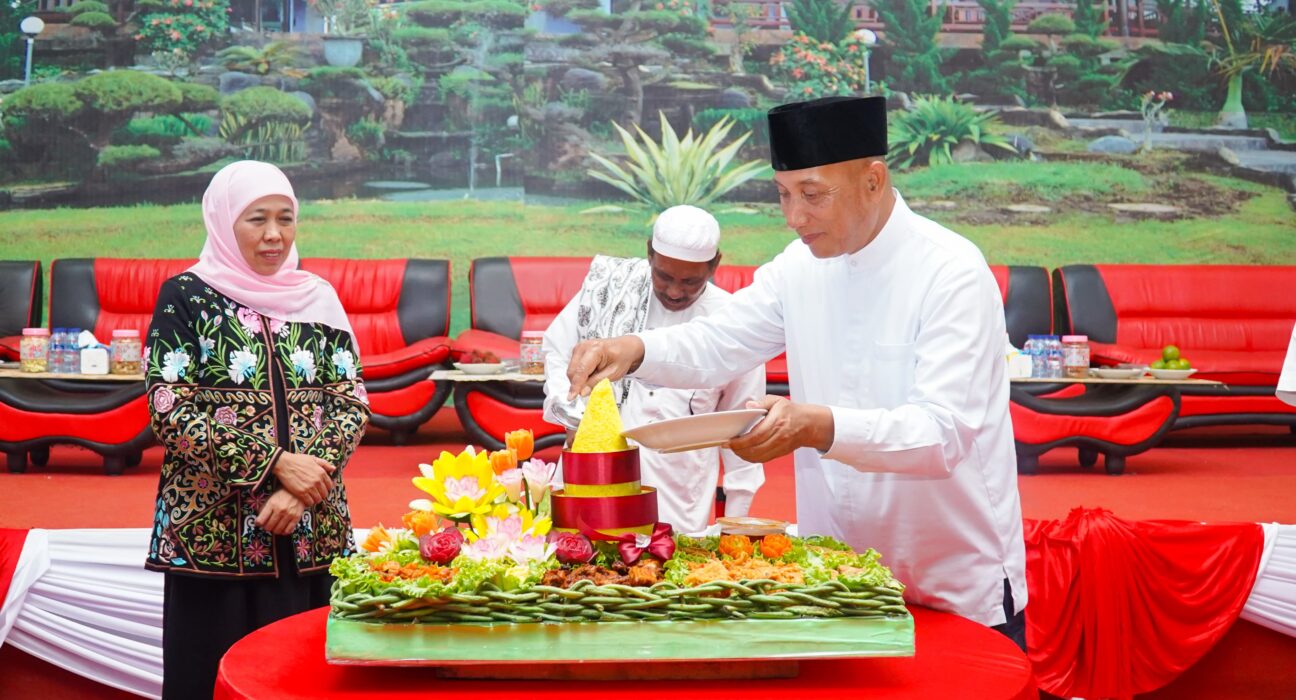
{"x": 1262, "y": 230}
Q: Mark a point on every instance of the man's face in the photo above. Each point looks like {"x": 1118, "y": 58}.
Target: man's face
{"x": 833, "y": 208}
{"x": 678, "y": 283}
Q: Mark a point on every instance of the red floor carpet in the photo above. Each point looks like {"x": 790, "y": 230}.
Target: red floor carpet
{"x": 1209, "y": 474}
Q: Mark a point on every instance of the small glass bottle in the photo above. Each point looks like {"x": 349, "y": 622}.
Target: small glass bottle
{"x": 532, "y": 352}
{"x": 1075, "y": 356}
{"x": 125, "y": 350}
{"x": 34, "y": 350}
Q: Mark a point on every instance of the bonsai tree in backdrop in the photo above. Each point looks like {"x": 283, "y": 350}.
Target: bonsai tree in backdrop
{"x": 647, "y": 42}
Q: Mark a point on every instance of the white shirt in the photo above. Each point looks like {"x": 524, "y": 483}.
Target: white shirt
{"x": 1287, "y": 380}
{"x": 904, "y": 341}
{"x": 685, "y": 481}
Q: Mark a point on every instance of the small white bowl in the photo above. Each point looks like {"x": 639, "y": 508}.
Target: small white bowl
{"x": 480, "y": 368}
{"x": 1117, "y": 372}
{"x": 1172, "y": 373}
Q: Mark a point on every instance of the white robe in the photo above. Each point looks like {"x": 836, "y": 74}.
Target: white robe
{"x": 685, "y": 481}
{"x": 1286, "y": 391}
{"x": 904, "y": 341}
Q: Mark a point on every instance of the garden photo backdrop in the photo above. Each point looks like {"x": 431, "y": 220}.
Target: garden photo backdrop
{"x": 1153, "y": 131}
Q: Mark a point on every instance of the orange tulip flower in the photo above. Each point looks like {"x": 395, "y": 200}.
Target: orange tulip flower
{"x": 503, "y": 460}
{"x": 522, "y": 442}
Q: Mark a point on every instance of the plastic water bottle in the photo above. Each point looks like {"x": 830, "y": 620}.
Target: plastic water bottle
{"x": 73, "y": 354}
{"x": 57, "y": 339}
{"x": 1053, "y": 353}
{"x": 1035, "y": 350}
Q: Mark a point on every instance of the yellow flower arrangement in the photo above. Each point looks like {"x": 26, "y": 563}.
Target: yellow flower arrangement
{"x": 461, "y": 486}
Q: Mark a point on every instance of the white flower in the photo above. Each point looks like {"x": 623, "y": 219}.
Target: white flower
{"x": 344, "y": 362}
{"x": 242, "y": 363}
{"x": 206, "y": 346}
{"x": 303, "y": 362}
{"x": 174, "y": 364}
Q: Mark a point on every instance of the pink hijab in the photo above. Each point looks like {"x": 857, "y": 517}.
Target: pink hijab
{"x": 287, "y": 295}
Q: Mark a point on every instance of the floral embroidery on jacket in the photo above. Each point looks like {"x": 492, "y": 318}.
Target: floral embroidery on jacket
{"x": 214, "y": 370}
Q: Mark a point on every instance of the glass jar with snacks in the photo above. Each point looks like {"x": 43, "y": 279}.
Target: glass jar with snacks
{"x": 125, "y": 351}
{"x": 532, "y": 351}
{"x": 1075, "y": 356}
{"x": 33, "y": 350}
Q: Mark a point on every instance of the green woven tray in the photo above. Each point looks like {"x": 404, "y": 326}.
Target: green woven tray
{"x": 409, "y": 644}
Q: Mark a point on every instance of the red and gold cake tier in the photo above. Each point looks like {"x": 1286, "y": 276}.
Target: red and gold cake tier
{"x": 602, "y": 495}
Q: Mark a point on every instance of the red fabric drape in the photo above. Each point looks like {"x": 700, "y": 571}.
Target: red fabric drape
{"x": 11, "y": 546}
{"x": 1119, "y": 608}
{"x": 955, "y": 658}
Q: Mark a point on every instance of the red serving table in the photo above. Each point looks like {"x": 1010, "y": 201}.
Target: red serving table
{"x": 954, "y": 657}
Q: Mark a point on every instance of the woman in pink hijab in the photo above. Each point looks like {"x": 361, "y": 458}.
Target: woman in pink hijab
{"x": 255, "y": 393}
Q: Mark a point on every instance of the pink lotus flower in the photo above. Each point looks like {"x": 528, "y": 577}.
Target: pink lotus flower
{"x": 318, "y": 418}
{"x": 539, "y": 477}
{"x": 512, "y": 482}
{"x": 494, "y": 547}
{"x": 530, "y": 548}
{"x": 361, "y": 392}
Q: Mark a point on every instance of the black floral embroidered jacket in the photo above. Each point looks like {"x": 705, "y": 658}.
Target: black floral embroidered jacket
{"x": 229, "y": 391}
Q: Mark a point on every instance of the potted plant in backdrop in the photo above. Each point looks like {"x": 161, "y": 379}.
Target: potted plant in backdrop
{"x": 345, "y": 22}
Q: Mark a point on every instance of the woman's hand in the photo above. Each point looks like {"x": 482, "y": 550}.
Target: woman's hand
{"x": 280, "y": 514}
{"x": 304, "y": 476}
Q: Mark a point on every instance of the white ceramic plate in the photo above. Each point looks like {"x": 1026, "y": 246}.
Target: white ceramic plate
{"x": 480, "y": 368}
{"x": 695, "y": 432}
{"x": 1172, "y": 373}
{"x": 1117, "y": 372}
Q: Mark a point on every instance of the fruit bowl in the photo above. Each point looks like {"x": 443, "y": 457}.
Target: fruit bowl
{"x": 1172, "y": 373}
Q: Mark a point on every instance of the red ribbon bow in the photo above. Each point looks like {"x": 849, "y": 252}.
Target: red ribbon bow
{"x": 661, "y": 545}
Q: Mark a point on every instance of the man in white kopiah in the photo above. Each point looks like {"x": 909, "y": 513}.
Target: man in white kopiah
{"x": 894, "y": 329}
{"x": 627, "y": 295}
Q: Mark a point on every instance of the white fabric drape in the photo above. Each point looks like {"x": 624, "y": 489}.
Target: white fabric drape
{"x": 1273, "y": 597}
{"x": 95, "y": 610}
{"x": 82, "y": 600}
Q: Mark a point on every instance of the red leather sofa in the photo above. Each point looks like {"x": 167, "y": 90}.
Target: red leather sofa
{"x": 1232, "y": 322}
{"x": 399, "y": 310}
{"x": 513, "y": 294}
{"x": 20, "y": 303}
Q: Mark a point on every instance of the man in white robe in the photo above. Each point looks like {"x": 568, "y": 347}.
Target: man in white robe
{"x": 893, "y": 327}
{"x": 626, "y": 295}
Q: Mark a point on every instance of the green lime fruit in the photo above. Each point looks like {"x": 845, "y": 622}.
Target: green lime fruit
{"x": 1169, "y": 353}
{"x": 1159, "y": 364}
{"x": 1180, "y": 363}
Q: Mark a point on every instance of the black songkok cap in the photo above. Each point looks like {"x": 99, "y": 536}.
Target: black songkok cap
{"x": 827, "y": 130}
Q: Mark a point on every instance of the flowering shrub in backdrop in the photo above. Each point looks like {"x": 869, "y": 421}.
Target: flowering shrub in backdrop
{"x": 177, "y": 29}
{"x": 819, "y": 69}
